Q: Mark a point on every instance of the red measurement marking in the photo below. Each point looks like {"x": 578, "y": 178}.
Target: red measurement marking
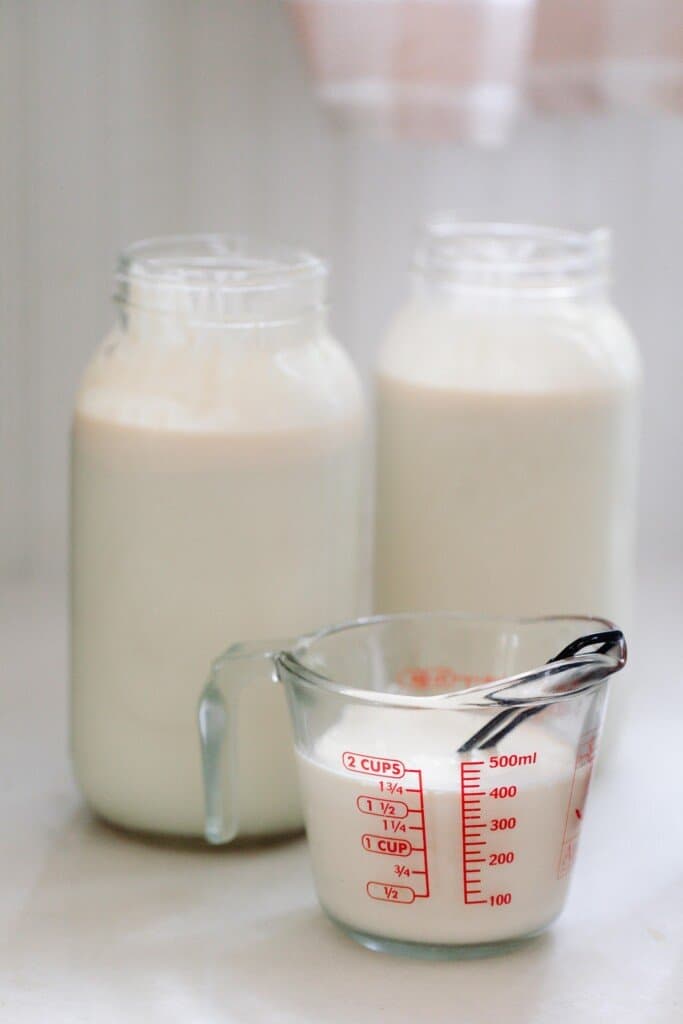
{"x": 585, "y": 755}
{"x": 367, "y": 765}
{"x": 387, "y": 845}
{"x": 439, "y": 677}
{"x": 471, "y": 824}
{"x": 382, "y": 808}
{"x": 390, "y": 893}
{"x": 396, "y": 819}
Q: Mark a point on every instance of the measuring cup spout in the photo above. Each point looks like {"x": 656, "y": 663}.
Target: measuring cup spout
{"x": 244, "y": 782}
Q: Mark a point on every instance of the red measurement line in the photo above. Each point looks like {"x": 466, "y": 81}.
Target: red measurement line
{"x": 414, "y": 790}
{"x": 464, "y": 851}
{"x": 424, "y": 831}
{"x": 471, "y": 825}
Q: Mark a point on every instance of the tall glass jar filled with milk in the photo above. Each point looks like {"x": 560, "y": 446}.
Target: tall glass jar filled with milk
{"x": 508, "y": 428}
{"x": 217, "y": 478}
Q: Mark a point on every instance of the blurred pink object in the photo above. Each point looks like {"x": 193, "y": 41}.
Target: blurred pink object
{"x": 463, "y": 69}
{"x": 607, "y": 53}
{"x": 425, "y": 68}
{"x": 569, "y": 45}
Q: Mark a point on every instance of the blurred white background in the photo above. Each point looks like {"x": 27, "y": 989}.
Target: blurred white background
{"x": 121, "y": 119}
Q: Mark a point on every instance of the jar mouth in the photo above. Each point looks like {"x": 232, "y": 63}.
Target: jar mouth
{"x": 491, "y": 257}
{"x": 220, "y": 277}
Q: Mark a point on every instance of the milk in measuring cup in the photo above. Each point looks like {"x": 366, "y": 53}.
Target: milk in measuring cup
{"x": 414, "y": 842}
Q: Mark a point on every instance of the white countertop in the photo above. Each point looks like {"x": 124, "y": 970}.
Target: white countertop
{"x": 105, "y": 928}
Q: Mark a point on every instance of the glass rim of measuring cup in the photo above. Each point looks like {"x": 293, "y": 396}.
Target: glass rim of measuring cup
{"x": 573, "y": 674}
{"x": 592, "y": 649}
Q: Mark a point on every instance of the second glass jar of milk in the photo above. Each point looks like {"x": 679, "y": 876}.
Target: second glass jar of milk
{"x": 217, "y": 477}
{"x": 508, "y": 429}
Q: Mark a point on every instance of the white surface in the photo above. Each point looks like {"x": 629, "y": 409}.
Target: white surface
{"x": 105, "y": 928}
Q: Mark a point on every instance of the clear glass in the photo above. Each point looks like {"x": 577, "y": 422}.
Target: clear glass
{"x": 513, "y": 261}
{"x": 217, "y": 491}
{"x": 222, "y": 281}
{"x": 444, "y": 764}
{"x": 508, "y": 399}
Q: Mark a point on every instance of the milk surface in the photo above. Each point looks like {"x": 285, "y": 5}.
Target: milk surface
{"x": 390, "y": 806}
{"x": 216, "y": 498}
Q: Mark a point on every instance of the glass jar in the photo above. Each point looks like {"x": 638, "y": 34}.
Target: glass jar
{"x": 217, "y": 491}
{"x": 507, "y": 393}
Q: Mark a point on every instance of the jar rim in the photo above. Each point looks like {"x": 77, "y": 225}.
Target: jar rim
{"x": 221, "y": 262}
{"x": 493, "y": 256}
{"x": 221, "y": 280}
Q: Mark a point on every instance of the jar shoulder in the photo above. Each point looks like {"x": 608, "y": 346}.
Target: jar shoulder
{"x": 553, "y": 345}
{"x": 238, "y": 383}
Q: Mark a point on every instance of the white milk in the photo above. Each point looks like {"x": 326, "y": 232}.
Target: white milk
{"x": 216, "y": 498}
{"x": 387, "y": 843}
{"x": 507, "y": 394}
{"x": 503, "y": 487}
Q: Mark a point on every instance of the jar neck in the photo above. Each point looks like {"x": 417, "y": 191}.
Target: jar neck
{"x": 223, "y": 288}
{"x": 498, "y": 265}
{"x": 145, "y": 325}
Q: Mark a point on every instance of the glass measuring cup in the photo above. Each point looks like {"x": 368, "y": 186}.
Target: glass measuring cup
{"x": 444, "y": 763}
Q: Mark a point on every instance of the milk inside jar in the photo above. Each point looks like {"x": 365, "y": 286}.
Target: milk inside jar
{"x": 216, "y": 498}
{"x": 507, "y": 391}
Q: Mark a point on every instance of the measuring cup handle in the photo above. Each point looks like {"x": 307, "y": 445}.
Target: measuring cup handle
{"x": 218, "y": 716}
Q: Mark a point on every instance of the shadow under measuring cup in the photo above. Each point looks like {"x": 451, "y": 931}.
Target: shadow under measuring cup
{"x": 444, "y": 764}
